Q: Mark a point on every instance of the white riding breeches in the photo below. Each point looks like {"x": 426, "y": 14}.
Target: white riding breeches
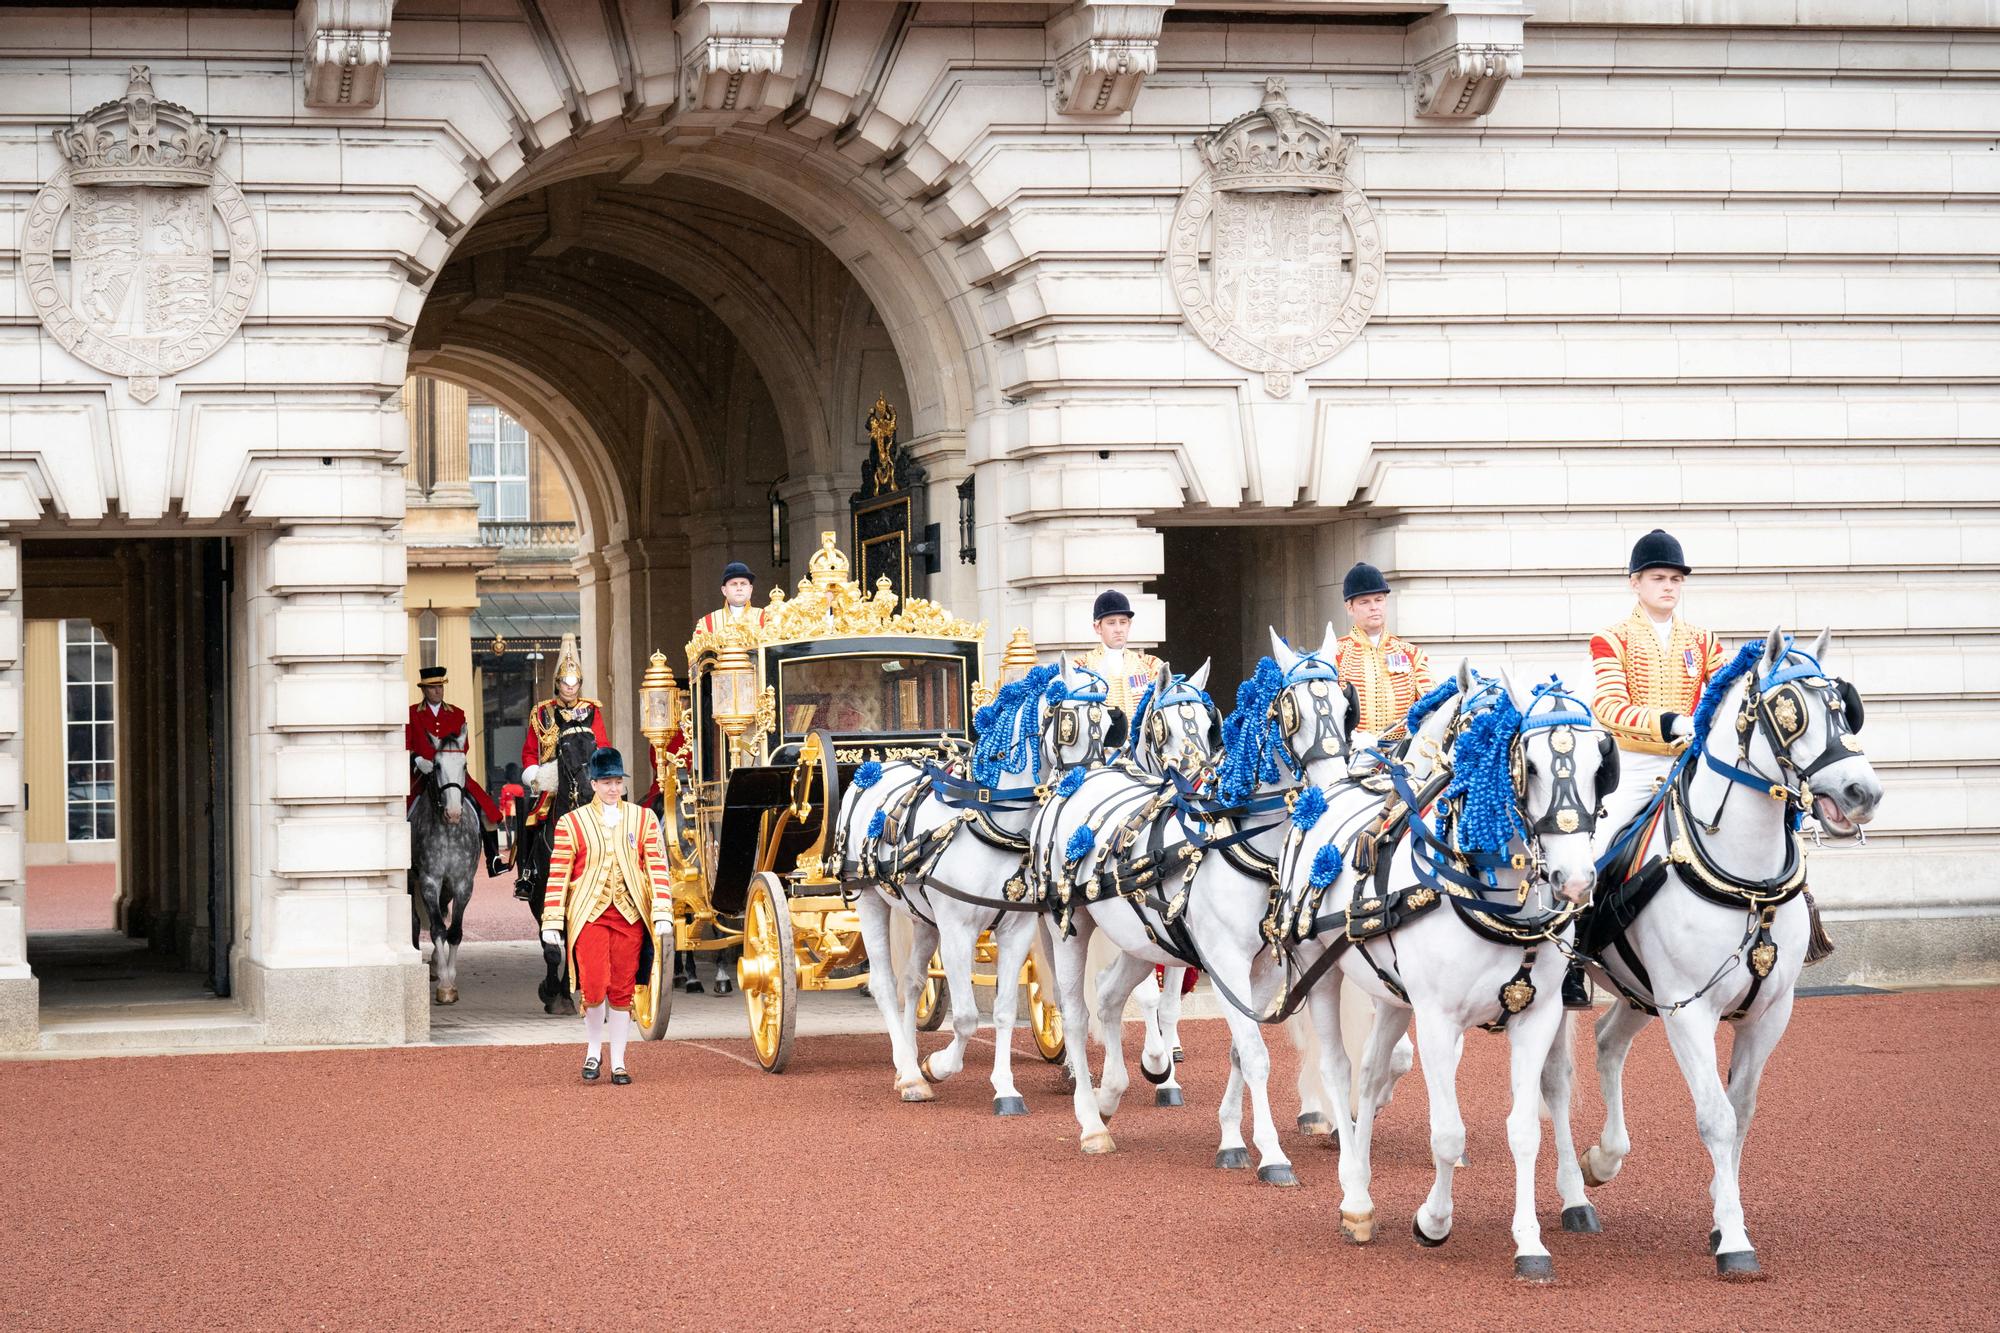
{"x": 1639, "y": 776}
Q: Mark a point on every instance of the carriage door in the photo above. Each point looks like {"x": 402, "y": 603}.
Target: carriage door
{"x": 890, "y": 533}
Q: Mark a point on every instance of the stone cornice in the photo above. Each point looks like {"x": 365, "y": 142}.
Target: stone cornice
{"x": 1462, "y": 56}
{"x": 346, "y": 48}
{"x": 1104, "y": 51}
{"x": 729, "y": 51}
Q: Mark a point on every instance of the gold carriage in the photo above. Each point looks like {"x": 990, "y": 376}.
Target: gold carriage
{"x": 779, "y": 712}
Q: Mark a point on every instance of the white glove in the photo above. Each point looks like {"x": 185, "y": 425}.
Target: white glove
{"x": 529, "y": 774}
{"x": 424, "y": 766}
{"x": 1683, "y": 727}
{"x": 663, "y": 927}
{"x": 553, "y": 938}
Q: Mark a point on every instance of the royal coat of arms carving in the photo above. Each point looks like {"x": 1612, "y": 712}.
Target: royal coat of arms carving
{"x": 139, "y": 256}
{"x": 1275, "y": 255}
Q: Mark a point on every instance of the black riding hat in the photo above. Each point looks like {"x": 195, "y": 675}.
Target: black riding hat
{"x": 1110, "y": 602}
{"x": 1657, "y": 550}
{"x": 431, "y": 676}
{"x": 1362, "y": 580}
{"x": 736, "y": 569}
{"x": 606, "y": 763}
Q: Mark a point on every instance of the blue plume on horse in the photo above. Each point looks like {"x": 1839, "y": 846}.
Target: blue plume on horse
{"x": 1719, "y": 685}
{"x": 1326, "y": 866}
{"x": 868, "y": 774}
{"x": 1056, "y": 693}
{"x": 1247, "y": 758}
{"x": 1010, "y": 726}
{"x": 1429, "y": 704}
{"x": 1070, "y": 781}
{"x": 1489, "y": 815}
{"x": 1080, "y": 843}
{"x": 878, "y": 822}
{"x": 1309, "y": 808}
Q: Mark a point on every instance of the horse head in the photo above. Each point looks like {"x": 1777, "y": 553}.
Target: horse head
{"x": 1179, "y": 726}
{"x": 1317, "y": 712}
{"x": 446, "y": 783}
{"x": 1079, "y": 728}
{"x": 1563, "y": 765}
{"x": 1805, "y": 721}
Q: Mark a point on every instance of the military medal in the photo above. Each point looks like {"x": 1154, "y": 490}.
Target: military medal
{"x": 1687, "y": 660}
{"x": 1399, "y": 662}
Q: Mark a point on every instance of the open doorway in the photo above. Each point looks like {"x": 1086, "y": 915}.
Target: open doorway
{"x": 127, "y": 743}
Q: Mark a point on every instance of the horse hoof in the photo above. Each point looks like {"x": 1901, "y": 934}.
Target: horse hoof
{"x": 1167, "y": 1097}
{"x": 1179, "y": 1055}
{"x": 1534, "y": 1268}
{"x": 1278, "y": 1173}
{"x": 1099, "y": 1142}
{"x": 1582, "y": 1219}
{"x": 1010, "y": 1106}
{"x": 1314, "y": 1125}
{"x": 1159, "y": 1078}
{"x": 448, "y": 996}
{"x": 1715, "y": 1240}
{"x": 1738, "y": 1266}
{"x": 1358, "y": 1227}
{"x": 917, "y": 1092}
{"x": 1428, "y": 1242}
{"x": 1232, "y": 1159}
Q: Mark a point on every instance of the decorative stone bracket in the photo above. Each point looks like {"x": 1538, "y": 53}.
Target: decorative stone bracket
{"x": 1104, "y": 51}
{"x": 729, "y": 51}
{"x": 346, "y": 46}
{"x": 1461, "y": 57}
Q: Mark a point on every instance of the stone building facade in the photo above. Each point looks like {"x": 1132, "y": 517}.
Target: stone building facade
{"x": 1218, "y": 297}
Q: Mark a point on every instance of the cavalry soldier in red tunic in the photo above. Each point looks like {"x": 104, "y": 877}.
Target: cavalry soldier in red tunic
{"x": 1388, "y": 674}
{"x": 563, "y": 731}
{"x": 433, "y": 720}
{"x": 611, "y": 893}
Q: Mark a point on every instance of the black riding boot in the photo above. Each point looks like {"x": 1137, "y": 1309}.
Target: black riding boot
{"x": 1576, "y": 988}
{"x": 489, "y": 839}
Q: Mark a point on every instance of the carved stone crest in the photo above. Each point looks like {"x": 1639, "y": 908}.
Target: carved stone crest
{"x": 120, "y": 253}
{"x": 1275, "y": 256}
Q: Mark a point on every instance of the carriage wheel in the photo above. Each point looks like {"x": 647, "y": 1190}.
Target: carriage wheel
{"x": 768, "y": 972}
{"x": 1044, "y": 1016}
{"x": 930, "y": 1000}
{"x": 663, "y": 990}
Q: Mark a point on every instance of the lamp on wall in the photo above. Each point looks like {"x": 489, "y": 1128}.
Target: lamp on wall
{"x": 781, "y": 528}
{"x": 967, "y": 553}
{"x": 659, "y": 712}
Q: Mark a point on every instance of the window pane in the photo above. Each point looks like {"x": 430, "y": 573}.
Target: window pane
{"x": 104, "y": 742}
{"x": 511, "y": 429}
{"x": 479, "y": 455}
{"x": 482, "y": 491}
{"x": 514, "y": 459}
{"x": 100, "y": 660}
{"x": 107, "y": 822}
{"x": 479, "y": 422}
{"x": 101, "y": 702}
{"x": 76, "y": 659}
{"x": 81, "y": 826}
{"x": 78, "y": 703}
{"x": 513, "y": 500}
{"x": 78, "y": 742}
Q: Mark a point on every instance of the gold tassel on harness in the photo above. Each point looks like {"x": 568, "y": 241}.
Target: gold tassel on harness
{"x": 1819, "y": 946}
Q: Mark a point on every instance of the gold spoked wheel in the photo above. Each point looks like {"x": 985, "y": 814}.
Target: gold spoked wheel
{"x": 930, "y": 1000}
{"x": 1044, "y": 1015}
{"x": 768, "y": 972}
{"x": 662, "y": 990}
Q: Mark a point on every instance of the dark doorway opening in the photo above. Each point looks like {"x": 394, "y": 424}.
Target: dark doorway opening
{"x": 1203, "y": 586}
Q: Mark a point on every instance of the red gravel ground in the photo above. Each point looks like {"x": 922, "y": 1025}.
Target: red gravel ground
{"x": 72, "y": 897}
{"x": 489, "y": 1188}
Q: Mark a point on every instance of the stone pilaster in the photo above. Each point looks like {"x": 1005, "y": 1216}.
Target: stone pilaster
{"x": 20, "y": 993}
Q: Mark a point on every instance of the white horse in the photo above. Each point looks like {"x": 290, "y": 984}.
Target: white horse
{"x": 1506, "y": 845}
{"x": 1174, "y": 878}
{"x": 1725, "y": 936}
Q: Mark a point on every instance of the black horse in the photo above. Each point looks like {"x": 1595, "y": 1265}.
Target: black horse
{"x": 572, "y": 761}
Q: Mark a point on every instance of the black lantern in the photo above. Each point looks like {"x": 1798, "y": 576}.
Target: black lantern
{"x": 968, "y": 553}
{"x": 781, "y": 529}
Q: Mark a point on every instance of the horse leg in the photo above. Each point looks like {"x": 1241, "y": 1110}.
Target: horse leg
{"x": 1170, "y": 1008}
{"x": 1616, "y": 1030}
{"x": 1114, "y": 986}
{"x": 957, "y": 938}
{"x": 1071, "y": 958}
{"x": 1438, "y": 1041}
{"x": 1691, "y": 1034}
{"x": 1013, "y": 934}
{"x": 1386, "y": 1032}
{"x": 1314, "y": 1122}
{"x": 1163, "y": 1020}
{"x": 1253, "y": 1069}
{"x": 1756, "y": 1038}
{"x": 1558, "y": 1083}
{"x": 454, "y": 936}
{"x": 874, "y": 911}
{"x": 1231, "y": 1154}
{"x": 1529, "y": 1036}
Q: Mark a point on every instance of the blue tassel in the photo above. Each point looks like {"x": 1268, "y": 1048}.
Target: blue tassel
{"x": 1326, "y": 866}
{"x": 878, "y": 823}
{"x": 1427, "y": 705}
{"x": 1489, "y": 816}
{"x": 868, "y": 774}
{"x": 1249, "y": 737}
{"x": 1309, "y": 808}
{"x": 1080, "y": 843}
{"x": 1057, "y": 692}
{"x": 1719, "y": 685}
{"x": 1010, "y": 729}
{"x": 1070, "y": 782}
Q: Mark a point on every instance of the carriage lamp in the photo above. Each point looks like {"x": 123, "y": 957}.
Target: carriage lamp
{"x": 733, "y": 685}
{"x": 1018, "y": 659}
{"x": 659, "y": 708}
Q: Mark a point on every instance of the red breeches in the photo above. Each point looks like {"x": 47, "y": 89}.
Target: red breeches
{"x": 607, "y": 959}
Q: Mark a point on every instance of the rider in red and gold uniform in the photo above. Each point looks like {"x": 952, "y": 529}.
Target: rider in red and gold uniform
{"x": 557, "y": 787}
{"x": 433, "y": 720}
{"x": 1388, "y": 674}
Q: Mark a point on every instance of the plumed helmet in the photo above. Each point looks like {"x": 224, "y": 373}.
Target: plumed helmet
{"x": 569, "y": 663}
{"x": 1362, "y": 580}
{"x": 1658, "y": 550}
{"x": 736, "y": 569}
{"x": 1110, "y": 602}
{"x": 606, "y": 763}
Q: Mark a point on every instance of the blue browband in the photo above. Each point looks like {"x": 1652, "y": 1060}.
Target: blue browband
{"x": 1561, "y": 713}
{"x": 1103, "y": 686}
{"x": 1311, "y": 666}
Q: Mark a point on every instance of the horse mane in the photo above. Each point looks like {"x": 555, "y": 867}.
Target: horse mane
{"x": 1427, "y": 705}
{"x": 1489, "y": 814}
{"x": 1247, "y": 758}
{"x": 1718, "y": 688}
{"x": 1005, "y": 744}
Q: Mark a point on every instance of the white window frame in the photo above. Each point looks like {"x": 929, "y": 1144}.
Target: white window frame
{"x": 503, "y": 492}
{"x": 108, "y": 759}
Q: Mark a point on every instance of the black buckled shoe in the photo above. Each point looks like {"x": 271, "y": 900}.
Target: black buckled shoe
{"x": 620, "y": 1078}
{"x": 1576, "y": 988}
{"x": 590, "y": 1070}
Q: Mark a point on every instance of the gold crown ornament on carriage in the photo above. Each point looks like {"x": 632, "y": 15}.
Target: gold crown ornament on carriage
{"x": 142, "y": 213}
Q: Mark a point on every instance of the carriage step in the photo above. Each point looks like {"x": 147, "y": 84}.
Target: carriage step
{"x": 186, "y": 1028}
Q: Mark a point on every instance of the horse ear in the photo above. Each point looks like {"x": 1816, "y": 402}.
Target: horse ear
{"x": 1507, "y": 684}
{"x": 1464, "y": 676}
{"x": 1282, "y": 653}
{"x": 1161, "y": 679}
{"x": 1199, "y": 680}
{"x": 1819, "y": 644}
{"x": 1774, "y": 649}
{"x": 1328, "y": 643}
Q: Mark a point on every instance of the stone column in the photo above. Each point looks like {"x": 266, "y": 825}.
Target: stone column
{"x": 719, "y": 532}
{"x": 450, "y": 450}
{"x": 650, "y": 588}
{"x": 321, "y": 791}
{"x": 817, "y": 502}
{"x": 20, "y": 993}
{"x": 955, "y": 585}
{"x": 595, "y": 614}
